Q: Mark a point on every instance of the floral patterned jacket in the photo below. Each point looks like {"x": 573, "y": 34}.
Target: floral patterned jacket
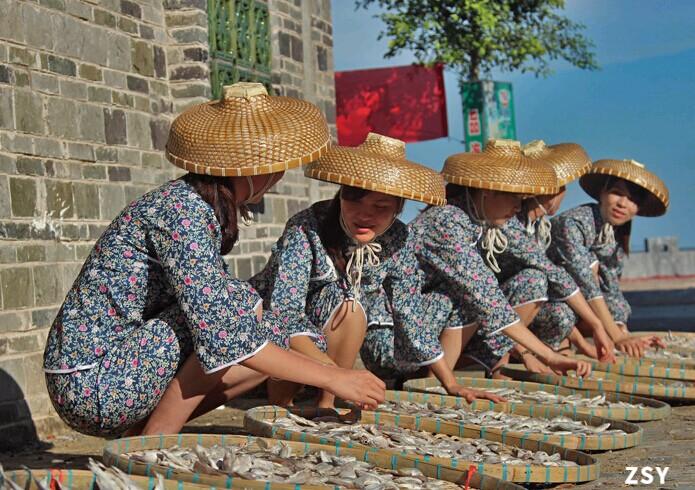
{"x": 524, "y": 252}
{"x": 300, "y": 266}
{"x": 162, "y": 249}
{"x": 575, "y": 247}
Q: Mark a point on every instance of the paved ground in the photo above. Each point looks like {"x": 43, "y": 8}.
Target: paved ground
{"x": 666, "y": 443}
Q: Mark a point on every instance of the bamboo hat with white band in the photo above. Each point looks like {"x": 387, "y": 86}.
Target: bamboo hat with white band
{"x": 568, "y": 160}
{"x": 657, "y": 200}
{"x": 379, "y": 164}
{"x": 247, "y": 132}
{"x": 505, "y": 166}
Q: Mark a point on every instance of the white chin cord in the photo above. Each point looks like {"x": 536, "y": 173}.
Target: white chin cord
{"x": 359, "y": 254}
{"x": 540, "y": 227}
{"x": 244, "y": 211}
{"x": 607, "y": 235}
{"x": 494, "y": 241}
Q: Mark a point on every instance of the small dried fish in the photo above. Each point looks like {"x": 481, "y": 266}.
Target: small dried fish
{"x": 545, "y": 398}
{"x": 420, "y": 442}
{"x": 275, "y": 462}
{"x": 668, "y": 354}
{"x": 682, "y": 341}
{"x": 520, "y": 423}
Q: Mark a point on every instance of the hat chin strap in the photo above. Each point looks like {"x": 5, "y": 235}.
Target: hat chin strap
{"x": 607, "y": 234}
{"x": 244, "y": 211}
{"x": 360, "y": 253}
{"x": 540, "y": 227}
{"x": 494, "y": 241}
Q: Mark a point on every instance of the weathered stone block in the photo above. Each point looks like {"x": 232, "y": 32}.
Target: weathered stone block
{"x": 146, "y": 32}
{"x": 4, "y": 197}
{"x": 11, "y": 23}
{"x": 21, "y": 78}
{"x": 17, "y": 289}
{"x": 70, "y": 38}
{"x": 53, "y": 4}
{"x": 321, "y": 58}
{"x": 189, "y": 35}
{"x": 160, "y": 69}
{"x": 99, "y": 94}
{"x": 48, "y": 287}
{"x": 33, "y": 370}
{"x": 60, "y": 252}
{"x": 73, "y": 89}
{"x": 119, "y": 174}
{"x": 243, "y": 268}
{"x": 6, "y": 108}
{"x": 22, "y": 56}
{"x": 29, "y": 166}
{"x": 104, "y": 18}
{"x": 86, "y": 199}
{"x": 93, "y": 172}
{"x": 48, "y": 147}
{"x": 115, "y": 127}
{"x": 194, "y": 72}
{"x": 91, "y": 119}
{"x": 139, "y": 131}
{"x": 59, "y": 201}
{"x": 31, "y": 253}
{"x": 119, "y": 50}
{"x": 111, "y": 201}
{"x": 62, "y": 115}
{"x": 23, "y": 194}
{"x": 137, "y": 84}
{"x": 14, "y": 321}
{"x": 31, "y": 18}
{"x": 183, "y": 4}
{"x": 60, "y": 65}
{"x": 131, "y": 8}
{"x": 143, "y": 58}
{"x": 44, "y": 83}
{"x": 90, "y": 72}
{"x": 28, "y": 109}
{"x": 79, "y": 9}
{"x": 106, "y": 154}
{"x": 159, "y": 129}
{"x": 127, "y": 25}
{"x": 81, "y": 151}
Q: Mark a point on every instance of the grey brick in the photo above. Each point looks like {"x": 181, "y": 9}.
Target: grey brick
{"x": 93, "y": 172}
{"x": 195, "y": 72}
{"x": 48, "y": 147}
{"x": 131, "y": 8}
{"x": 111, "y": 201}
{"x": 11, "y": 22}
{"x": 115, "y": 127}
{"x": 139, "y": 131}
{"x": 44, "y": 83}
{"x": 5, "y": 201}
{"x": 31, "y": 18}
{"x": 159, "y": 129}
{"x": 159, "y": 62}
{"x": 118, "y": 57}
{"x": 79, "y": 9}
{"x": 143, "y": 58}
{"x": 59, "y": 200}
{"x": 53, "y": 4}
{"x": 90, "y": 72}
{"x": 81, "y": 151}
{"x": 86, "y": 198}
{"x": 73, "y": 89}
{"x": 60, "y": 65}
{"x": 62, "y": 118}
{"x": 48, "y": 286}
{"x": 14, "y": 321}
{"x": 99, "y": 94}
{"x": 43, "y": 318}
{"x": 22, "y": 56}
{"x": 105, "y": 18}
{"x": 28, "y": 109}
{"x": 31, "y": 253}
{"x": 23, "y": 195}
{"x": 137, "y": 84}
{"x": 119, "y": 174}
{"x": 6, "y": 108}
{"x": 91, "y": 119}
{"x": 127, "y": 25}
{"x": 29, "y": 166}
{"x": 17, "y": 288}
{"x": 106, "y": 154}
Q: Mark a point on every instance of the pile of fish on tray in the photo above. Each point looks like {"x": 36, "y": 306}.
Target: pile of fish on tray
{"x": 559, "y": 425}
{"x": 668, "y": 354}
{"x": 545, "y": 398}
{"x": 597, "y": 376}
{"x": 107, "y": 478}
{"x": 419, "y": 442}
{"x": 275, "y": 462}
{"x": 681, "y": 341}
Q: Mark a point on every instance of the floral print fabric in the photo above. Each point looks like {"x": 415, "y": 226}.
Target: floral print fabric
{"x": 161, "y": 252}
{"x": 302, "y": 286}
{"x": 575, "y": 247}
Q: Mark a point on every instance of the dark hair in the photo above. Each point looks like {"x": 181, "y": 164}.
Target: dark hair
{"x": 332, "y": 236}
{"x": 638, "y": 195}
{"x": 218, "y": 192}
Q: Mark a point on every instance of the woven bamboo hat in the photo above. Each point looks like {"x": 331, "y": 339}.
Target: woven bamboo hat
{"x": 569, "y": 160}
{"x": 657, "y": 200}
{"x": 247, "y": 132}
{"x": 503, "y": 166}
{"x": 379, "y": 164}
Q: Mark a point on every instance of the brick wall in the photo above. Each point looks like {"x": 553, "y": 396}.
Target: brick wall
{"x": 87, "y": 92}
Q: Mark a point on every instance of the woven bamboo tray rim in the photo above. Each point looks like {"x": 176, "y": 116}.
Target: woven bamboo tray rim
{"x": 650, "y": 368}
{"x": 656, "y": 409}
{"x": 259, "y": 421}
{"x": 115, "y": 454}
{"x": 616, "y": 383}
{"x": 597, "y": 442}
{"x": 86, "y": 480}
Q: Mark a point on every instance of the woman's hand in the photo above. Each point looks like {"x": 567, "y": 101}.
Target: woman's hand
{"x": 605, "y": 348}
{"x": 562, "y": 364}
{"x": 632, "y": 346}
{"x": 358, "y": 386}
{"x": 533, "y": 364}
{"x": 471, "y": 395}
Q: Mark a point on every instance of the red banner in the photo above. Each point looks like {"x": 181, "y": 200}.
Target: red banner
{"x": 404, "y": 102}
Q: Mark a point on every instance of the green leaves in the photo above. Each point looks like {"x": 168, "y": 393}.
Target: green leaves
{"x": 475, "y": 36}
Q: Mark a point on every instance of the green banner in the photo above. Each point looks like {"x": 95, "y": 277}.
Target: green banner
{"x": 488, "y": 112}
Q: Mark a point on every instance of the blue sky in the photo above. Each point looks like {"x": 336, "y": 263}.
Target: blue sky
{"x": 640, "y": 104}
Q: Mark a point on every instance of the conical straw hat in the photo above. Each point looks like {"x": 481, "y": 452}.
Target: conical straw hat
{"x": 247, "y": 132}
{"x": 657, "y": 200}
{"x": 379, "y": 164}
{"x": 569, "y": 160}
{"x": 502, "y": 166}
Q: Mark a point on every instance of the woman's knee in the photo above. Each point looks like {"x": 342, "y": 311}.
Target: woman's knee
{"x": 348, "y": 314}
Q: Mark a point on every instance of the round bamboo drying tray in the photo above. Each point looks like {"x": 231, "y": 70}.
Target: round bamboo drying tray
{"x": 655, "y": 409}
{"x": 115, "y": 453}
{"x": 260, "y": 421}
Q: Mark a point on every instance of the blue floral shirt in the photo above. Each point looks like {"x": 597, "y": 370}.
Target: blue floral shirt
{"x": 524, "y": 252}
{"x": 447, "y": 252}
{"x": 163, "y": 249}
{"x": 575, "y": 247}
{"x": 300, "y": 267}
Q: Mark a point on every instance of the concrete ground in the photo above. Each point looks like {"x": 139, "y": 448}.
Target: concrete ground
{"x": 670, "y": 442}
